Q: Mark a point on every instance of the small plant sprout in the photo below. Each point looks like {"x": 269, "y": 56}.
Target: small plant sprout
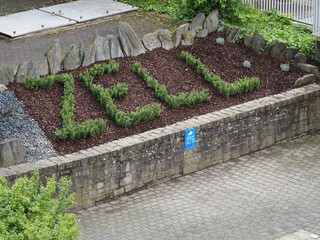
{"x": 220, "y": 41}
{"x": 285, "y": 67}
{"x": 246, "y": 64}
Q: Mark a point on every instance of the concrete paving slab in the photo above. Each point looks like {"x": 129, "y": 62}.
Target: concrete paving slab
{"x": 86, "y": 10}
{"x": 19, "y": 24}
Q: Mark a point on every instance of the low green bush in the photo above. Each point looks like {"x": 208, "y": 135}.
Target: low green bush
{"x": 284, "y": 67}
{"x": 246, "y": 64}
{"x": 220, "y": 41}
{"x": 160, "y": 91}
{"x": 70, "y": 129}
{"x": 106, "y": 95}
{"x": 224, "y": 88}
{"x": 275, "y": 26}
{"x": 30, "y": 210}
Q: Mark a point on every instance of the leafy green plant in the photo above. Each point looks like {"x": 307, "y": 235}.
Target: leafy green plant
{"x": 285, "y": 67}
{"x": 70, "y": 129}
{"x": 246, "y": 64}
{"x": 275, "y": 26}
{"x": 220, "y": 41}
{"x": 228, "y": 9}
{"x": 30, "y": 210}
{"x": 106, "y": 95}
{"x": 224, "y": 88}
{"x": 183, "y": 99}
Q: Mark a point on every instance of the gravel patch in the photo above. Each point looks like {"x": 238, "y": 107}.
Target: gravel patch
{"x": 21, "y": 125}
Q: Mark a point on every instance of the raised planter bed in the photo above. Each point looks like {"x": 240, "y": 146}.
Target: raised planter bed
{"x": 122, "y": 159}
{"x": 171, "y": 71}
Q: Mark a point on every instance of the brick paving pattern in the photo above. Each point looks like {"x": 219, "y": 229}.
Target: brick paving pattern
{"x": 264, "y": 195}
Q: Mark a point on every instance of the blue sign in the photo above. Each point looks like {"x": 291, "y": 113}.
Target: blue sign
{"x": 190, "y": 139}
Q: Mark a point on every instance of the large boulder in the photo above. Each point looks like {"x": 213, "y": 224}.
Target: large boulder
{"x": 212, "y": 21}
{"x": 202, "y": 33}
{"x": 102, "y": 48}
{"x": 234, "y": 34}
{"x": 22, "y": 72}
{"x": 151, "y": 41}
{"x": 72, "y": 59}
{"x": 309, "y": 69}
{"x": 115, "y": 47}
{"x": 276, "y": 48}
{"x": 197, "y": 24}
{"x": 177, "y": 36}
{"x": 247, "y": 40}
{"x": 291, "y": 51}
{"x": 307, "y": 79}
{"x": 317, "y": 51}
{"x": 11, "y": 152}
{"x": 33, "y": 68}
{"x": 258, "y": 41}
{"x": 6, "y": 75}
{"x": 2, "y": 88}
{"x": 130, "y": 42}
{"x": 165, "y": 38}
{"x": 300, "y": 58}
{"x": 38, "y": 67}
{"x": 89, "y": 55}
{"x": 187, "y": 39}
{"x": 54, "y": 55}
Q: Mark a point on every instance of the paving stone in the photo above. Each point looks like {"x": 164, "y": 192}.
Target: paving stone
{"x": 263, "y": 195}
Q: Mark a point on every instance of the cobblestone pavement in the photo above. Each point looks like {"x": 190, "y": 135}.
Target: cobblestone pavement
{"x": 264, "y": 195}
{"x": 15, "y": 51}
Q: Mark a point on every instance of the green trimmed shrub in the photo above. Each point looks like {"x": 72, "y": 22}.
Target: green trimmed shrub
{"x": 224, "y": 88}
{"x": 106, "y": 95}
{"x": 70, "y": 129}
{"x": 246, "y": 64}
{"x": 285, "y": 67}
{"x": 160, "y": 91}
{"x": 220, "y": 41}
{"x": 30, "y": 210}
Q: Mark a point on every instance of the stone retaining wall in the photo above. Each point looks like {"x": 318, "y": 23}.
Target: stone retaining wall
{"x": 118, "y": 167}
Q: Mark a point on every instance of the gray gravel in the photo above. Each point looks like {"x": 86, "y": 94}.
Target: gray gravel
{"x": 21, "y": 125}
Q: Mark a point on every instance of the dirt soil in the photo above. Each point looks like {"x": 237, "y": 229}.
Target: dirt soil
{"x": 14, "y": 6}
{"x": 226, "y": 61}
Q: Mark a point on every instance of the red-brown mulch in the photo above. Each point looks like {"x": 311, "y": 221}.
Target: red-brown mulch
{"x": 166, "y": 66}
